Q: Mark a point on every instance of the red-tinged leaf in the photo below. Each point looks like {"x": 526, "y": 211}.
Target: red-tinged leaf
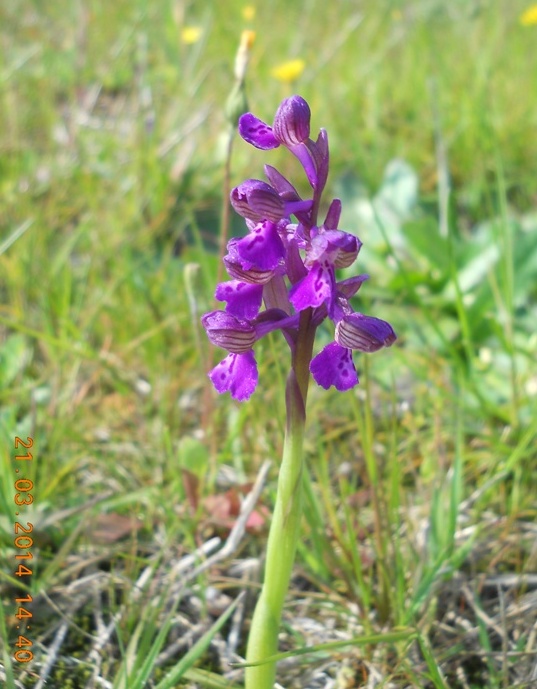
{"x": 223, "y": 508}
{"x": 234, "y": 502}
{"x": 360, "y": 498}
{"x": 112, "y": 527}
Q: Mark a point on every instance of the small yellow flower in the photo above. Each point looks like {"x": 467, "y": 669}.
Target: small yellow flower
{"x": 247, "y": 39}
{"x": 289, "y": 71}
{"x": 191, "y": 34}
{"x": 248, "y": 12}
{"x": 529, "y": 17}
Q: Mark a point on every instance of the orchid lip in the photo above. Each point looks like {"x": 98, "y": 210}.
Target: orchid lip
{"x": 256, "y": 132}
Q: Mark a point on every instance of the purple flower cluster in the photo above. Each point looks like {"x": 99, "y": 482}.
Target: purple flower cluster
{"x": 290, "y": 265}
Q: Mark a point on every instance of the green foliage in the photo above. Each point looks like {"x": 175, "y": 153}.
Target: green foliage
{"x": 113, "y": 145}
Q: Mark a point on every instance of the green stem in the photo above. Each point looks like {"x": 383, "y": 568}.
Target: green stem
{"x": 284, "y": 529}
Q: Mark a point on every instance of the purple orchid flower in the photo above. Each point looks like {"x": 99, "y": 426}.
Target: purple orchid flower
{"x": 289, "y": 262}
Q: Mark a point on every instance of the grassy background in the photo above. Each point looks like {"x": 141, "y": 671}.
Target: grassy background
{"x": 422, "y": 481}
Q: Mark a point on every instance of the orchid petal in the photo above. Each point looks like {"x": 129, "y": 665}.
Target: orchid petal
{"x": 334, "y": 366}
{"x": 243, "y": 299}
{"x": 317, "y": 287}
{"x": 365, "y": 333}
{"x": 292, "y": 121}
{"x": 226, "y": 331}
{"x": 262, "y": 248}
{"x": 256, "y": 132}
{"x": 237, "y": 373}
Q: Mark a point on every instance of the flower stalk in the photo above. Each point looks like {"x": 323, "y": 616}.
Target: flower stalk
{"x": 281, "y": 546}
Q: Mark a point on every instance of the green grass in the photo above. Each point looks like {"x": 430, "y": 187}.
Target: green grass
{"x": 421, "y": 490}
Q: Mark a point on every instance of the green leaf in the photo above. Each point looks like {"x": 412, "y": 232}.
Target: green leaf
{"x": 422, "y": 236}
{"x": 14, "y": 355}
{"x": 197, "y": 650}
{"x": 193, "y": 456}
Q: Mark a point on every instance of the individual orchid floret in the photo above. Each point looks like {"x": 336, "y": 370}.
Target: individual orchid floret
{"x": 291, "y": 126}
{"x": 337, "y": 247}
{"x": 333, "y": 365}
{"x": 327, "y": 250}
{"x": 237, "y": 373}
